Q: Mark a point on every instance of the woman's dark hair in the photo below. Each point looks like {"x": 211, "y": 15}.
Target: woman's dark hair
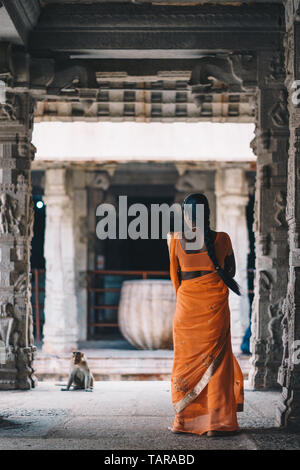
{"x": 191, "y": 201}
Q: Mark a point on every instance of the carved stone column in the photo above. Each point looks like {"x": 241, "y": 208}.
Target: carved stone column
{"x": 271, "y": 148}
{"x": 61, "y": 323}
{"x": 16, "y": 220}
{"x": 97, "y": 183}
{"x": 288, "y": 412}
{"x": 80, "y": 223}
{"x": 232, "y": 198}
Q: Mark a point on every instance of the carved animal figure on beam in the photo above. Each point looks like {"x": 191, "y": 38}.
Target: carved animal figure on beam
{"x": 218, "y": 68}
{"x": 70, "y": 76}
{"x": 233, "y": 73}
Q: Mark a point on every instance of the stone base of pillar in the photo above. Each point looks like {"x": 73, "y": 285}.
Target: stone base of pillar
{"x": 18, "y": 373}
{"x": 256, "y": 377}
{"x": 288, "y": 411}
{"x": 26, "y": 377}
{"x": 8, "y": 380}
{"x": 55, "y": 344}
{"x": 282, "y": 408}
{"x": 273, "y": 362}
{"x": 263, "y": 375}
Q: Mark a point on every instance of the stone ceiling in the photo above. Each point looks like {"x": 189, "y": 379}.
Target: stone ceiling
{"x": 94, "y": 60}
{"x": 44, "y": 3}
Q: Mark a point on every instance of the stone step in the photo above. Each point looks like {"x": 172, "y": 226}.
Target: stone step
{"x": 114, "y": 364}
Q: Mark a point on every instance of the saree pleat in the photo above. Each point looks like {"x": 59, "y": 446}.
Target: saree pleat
{"x": 207, "y": 382}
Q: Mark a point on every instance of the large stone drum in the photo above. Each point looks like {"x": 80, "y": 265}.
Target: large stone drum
{"x": 146, "y": 312}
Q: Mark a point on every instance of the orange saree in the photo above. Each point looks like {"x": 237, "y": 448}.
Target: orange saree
{"x": 207, "y": 382}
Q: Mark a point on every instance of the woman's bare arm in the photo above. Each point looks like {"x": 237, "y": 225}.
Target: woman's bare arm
{"x": 169, "y": 238}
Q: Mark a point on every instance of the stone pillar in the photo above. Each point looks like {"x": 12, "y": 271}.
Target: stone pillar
{"x": 271, "y": 148}
{"x": 16, "y": 221}
{"x": 80, "y": 224}
{"x": 232, "y": 198}
{"x": 288, "y": 412}
{"x": 97, "y": 183}
{"x": 61, "y": 322}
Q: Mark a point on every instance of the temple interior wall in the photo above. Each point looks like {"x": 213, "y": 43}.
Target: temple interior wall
{"x": 86, "y": 187}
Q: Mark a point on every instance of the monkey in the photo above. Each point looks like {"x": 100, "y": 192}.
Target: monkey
{"x": 80, "y": 376}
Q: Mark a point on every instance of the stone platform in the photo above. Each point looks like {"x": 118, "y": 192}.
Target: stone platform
{"x": 116, "y": 360}
{"x": 125, "y": 415}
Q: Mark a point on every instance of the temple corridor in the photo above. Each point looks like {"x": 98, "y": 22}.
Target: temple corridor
{"x": 126, "y": 415}
{"x": 152, "y": 99}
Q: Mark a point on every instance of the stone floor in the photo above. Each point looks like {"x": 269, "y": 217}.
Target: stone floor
{"x": 125, "y": 415}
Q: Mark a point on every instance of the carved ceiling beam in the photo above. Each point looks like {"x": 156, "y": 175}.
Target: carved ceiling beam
{"x": 79, "y": 80}
{"x": 125, "y": 30}
{"x": 171, "y": 2}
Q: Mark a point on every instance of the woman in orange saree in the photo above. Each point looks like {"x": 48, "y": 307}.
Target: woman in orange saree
{"x": 206, "y": 382}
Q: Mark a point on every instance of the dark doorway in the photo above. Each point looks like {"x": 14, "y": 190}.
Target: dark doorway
{"x": 245, "y": 346}
{"x": 128, "y": 255}
{"x": 37, "y": 261}
{"x": 37, "y": 244}
{"x": 139, "y": 254}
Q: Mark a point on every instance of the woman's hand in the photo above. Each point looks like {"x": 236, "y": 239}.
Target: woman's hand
{"x": 169, "y": 238}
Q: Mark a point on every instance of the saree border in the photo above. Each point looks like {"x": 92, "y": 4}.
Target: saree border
{"x": 208, "y": 374}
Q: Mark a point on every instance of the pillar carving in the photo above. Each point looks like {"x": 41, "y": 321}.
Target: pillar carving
{"x": 16, "y": 222}
{"x": 232, "y": 198}
{"x": 288, "y": 411}
{"x": 270, "y": 226}
{"x": 61, "y": 322}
